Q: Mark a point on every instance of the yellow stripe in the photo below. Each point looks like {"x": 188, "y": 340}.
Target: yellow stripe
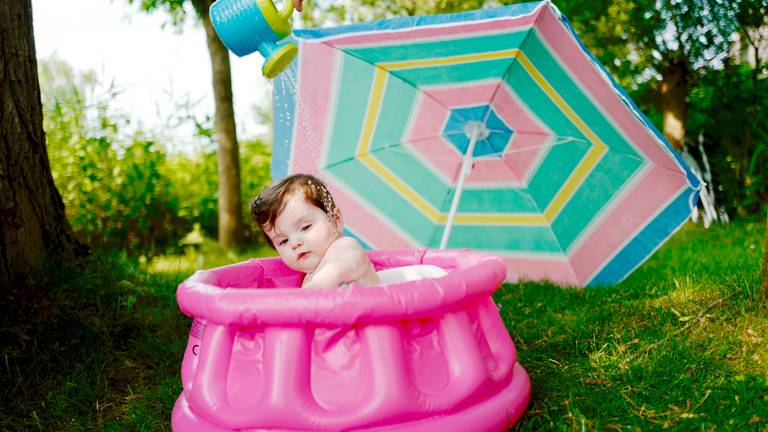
{"x": 394, "y": 181}
{"x": 558, "y": 202}
{"x": 498, "y": 219}
{"x": 369, "y": 125}
{"x": 442, "y": 61}
{"x": 590, "y": 159}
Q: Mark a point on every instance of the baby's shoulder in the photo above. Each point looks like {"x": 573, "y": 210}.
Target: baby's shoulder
{"x": 347, "y": 243}
{"x": 346, "y": 249}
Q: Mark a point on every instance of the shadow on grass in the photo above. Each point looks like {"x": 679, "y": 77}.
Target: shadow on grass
{"x": 83, "y": 343}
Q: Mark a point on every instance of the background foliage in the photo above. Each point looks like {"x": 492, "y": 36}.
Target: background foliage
{"x": 127, "y": 188}
{"x": 134, "y": 189}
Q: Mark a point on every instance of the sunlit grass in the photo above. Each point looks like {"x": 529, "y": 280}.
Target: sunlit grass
{"x": 208, "y": 255}
{"x": 679, "y": 345}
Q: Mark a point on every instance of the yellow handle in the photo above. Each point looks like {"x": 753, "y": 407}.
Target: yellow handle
{"x": 285, "y": 14}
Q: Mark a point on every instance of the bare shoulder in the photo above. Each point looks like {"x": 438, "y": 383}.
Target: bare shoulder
{"x": 346, "y": 244}
{"x": 349, "y": 257}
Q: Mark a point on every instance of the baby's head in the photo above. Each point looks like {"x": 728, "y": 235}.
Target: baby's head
{"x": 269, "y": 211}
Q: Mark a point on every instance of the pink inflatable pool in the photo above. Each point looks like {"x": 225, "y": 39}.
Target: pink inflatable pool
{"x": 421, "y": 355}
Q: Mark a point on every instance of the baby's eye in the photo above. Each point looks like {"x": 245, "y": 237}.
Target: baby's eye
{"x": 282, "y": 242}
{"x": 306, "y": 227}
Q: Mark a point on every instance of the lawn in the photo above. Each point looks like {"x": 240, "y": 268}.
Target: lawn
{"x": 682, "y": 344}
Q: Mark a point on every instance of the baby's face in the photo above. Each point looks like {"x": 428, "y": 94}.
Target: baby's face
{"x": 303, "y": 233}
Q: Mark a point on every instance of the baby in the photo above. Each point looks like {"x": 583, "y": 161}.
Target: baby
{"x": 300, "y": 220}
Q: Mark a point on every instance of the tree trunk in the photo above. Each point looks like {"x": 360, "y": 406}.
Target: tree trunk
{"x": 675, "y": 79}
{"x": 229, "y": 202}
{"x": 33, "y": 226}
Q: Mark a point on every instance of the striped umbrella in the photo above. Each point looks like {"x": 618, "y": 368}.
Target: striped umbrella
{"x": 494, "y": 130}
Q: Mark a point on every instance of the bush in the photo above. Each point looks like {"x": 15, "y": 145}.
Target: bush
{"x": 121, "y": 187}
{"x": 730, "y": 108}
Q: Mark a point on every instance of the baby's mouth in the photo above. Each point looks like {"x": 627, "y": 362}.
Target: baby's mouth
{"x": 302, "y": 255}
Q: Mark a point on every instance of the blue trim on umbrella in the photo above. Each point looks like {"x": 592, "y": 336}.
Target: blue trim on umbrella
{"x": 281, "y": 149}
{"x": 640, "y": 248}
{"x": 692, "y": 179}
{"x": 408, "y": 22}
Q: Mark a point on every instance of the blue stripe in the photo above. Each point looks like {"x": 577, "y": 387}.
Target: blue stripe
{"x": 284, "y": 111}
{"x": 630, "y": 104}
{"x": 645, "y": 243}
{"x": 409, "y": 22}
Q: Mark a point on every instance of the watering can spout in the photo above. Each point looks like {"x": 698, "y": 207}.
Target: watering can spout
{"x": 245, "y": 26}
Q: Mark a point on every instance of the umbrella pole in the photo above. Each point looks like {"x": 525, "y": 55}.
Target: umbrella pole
{"x": 466, "y": 167}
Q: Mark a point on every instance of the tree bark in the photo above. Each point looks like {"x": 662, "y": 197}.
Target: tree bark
{"x": 34, "y": 230}
{"x": 229, "y": 201}
{"x": 675, "y": 80}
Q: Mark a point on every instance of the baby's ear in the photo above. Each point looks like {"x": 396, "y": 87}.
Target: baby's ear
{"x": 338, "y": 220}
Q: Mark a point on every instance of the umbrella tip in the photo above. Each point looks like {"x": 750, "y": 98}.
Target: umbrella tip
{"x": 474, "y": 126}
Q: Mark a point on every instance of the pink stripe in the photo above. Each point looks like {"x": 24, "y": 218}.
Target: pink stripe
{"x": 530, "y": 134}
{"x": 429, "y": 120}
{"x": 377, "y": 231}
{"x": 464, "y": 95}
{"x": 521, "y": 161}
{"x": 539, "y": 269}
{"x": 412, "y": 36}
{"x": 492, "y": 171}
{"x": 316, "y": 79}
{"x": 440, "y": 155}
{"x": 634, "y": 211}
{"x": 432, "y": 114}
{"x": 582, "y": 69}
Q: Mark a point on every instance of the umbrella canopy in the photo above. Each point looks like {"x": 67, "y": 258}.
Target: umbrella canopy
{"x": 494, "y": 130}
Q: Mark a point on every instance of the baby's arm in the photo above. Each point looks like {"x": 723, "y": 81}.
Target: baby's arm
{"x": 345, "y": 261}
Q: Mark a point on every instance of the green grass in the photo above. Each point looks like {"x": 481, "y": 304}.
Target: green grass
{"x": 682, "y": 344}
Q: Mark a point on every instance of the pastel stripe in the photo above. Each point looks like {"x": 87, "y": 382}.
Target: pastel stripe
{"x": 556, "y": 270}
{"x": 625, "y": 220}
{"x": 643, "y": 245}
{"x": 389, "y": 36}
{"x": 317, "y": 77}
{"x": 360, "y": 218}
{"x": 581, "y": 69}
{"x": 576, "y": 202}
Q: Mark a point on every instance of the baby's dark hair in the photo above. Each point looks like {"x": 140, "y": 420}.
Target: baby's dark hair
{"x": 266, "y": 207}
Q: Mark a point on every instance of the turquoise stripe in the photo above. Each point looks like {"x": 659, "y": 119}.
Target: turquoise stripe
{"x": 459, "y": 45}
{"x": 389, "y": 202}
{"x": 353, "y": 93}
{"x": 597, "y": 191}
{"x": 569, "y": 90}
{"x": 396, "y": 110}
{"x": 563, "y": 157}
{"x": 694, "y": 182}
{"x": 410, "y": 170}
{"x": 510, "y": 200}
{"x": 516, "y": 238}
{"x": 457, "y": 73}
